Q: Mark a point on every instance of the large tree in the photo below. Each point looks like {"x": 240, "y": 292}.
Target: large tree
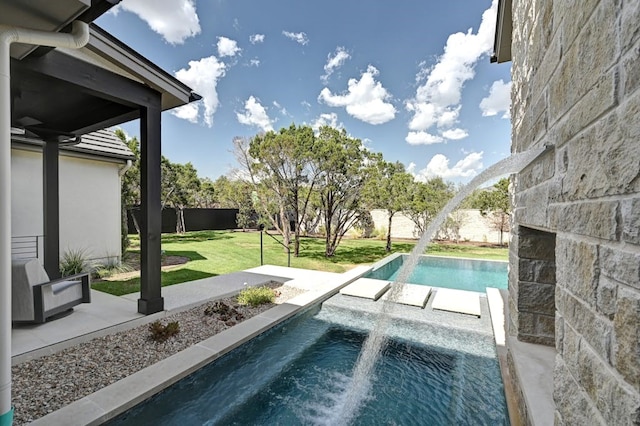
{"x": 236, "y": 194}
{"x": 342, "y": 161}
{"x": 180, "y": 186}
{"x": 426, "y": 200}
{"x": 284, "y": 161}
{"x": 495, "y": 203}
{"x": 387, "y": 187}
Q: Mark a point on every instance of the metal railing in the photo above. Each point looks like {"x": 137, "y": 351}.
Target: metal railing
{"x": 26, "y": 247}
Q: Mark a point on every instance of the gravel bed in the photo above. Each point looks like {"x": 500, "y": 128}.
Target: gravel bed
{"x": 46, "y": 384}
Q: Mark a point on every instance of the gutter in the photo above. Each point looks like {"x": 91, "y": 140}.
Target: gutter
{"x": 78, "y": 37}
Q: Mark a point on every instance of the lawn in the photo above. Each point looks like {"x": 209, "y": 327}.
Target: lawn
{"x": 220, "y": 252}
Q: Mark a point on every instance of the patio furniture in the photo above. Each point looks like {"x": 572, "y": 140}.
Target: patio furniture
{"x": 34, "y": 297}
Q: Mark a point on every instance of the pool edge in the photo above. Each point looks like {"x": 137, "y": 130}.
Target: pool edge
{"x": 112, "y": 400}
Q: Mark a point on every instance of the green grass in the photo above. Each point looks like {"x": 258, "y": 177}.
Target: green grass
{"x": 214, "y": 253}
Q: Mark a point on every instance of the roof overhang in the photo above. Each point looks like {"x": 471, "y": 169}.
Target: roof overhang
{"x": 502, "y": 40}
{"x": 60, "y": 93}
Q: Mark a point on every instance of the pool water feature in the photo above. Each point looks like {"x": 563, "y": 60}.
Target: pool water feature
{"x": 461, "y": 274}
{"x": 297, "y": 372}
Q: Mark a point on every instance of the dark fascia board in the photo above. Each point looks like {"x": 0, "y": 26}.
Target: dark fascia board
{"x": 36, "y": 145}
{"x": 175, "y": 93}
{"x": 502, "y": 40}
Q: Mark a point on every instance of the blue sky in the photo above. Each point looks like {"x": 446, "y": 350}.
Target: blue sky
{"x": 410, "y": 78}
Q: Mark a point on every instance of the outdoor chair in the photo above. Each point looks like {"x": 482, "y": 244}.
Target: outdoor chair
{"x": 34, "y": 297}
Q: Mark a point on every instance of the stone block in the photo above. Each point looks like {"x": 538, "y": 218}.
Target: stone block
{"x": 595, "y": 329}
{"x": 617, "y": 402}
{"x": 629, "y": 27}
{"x": 599, "y": 98}
{"x": 572, "y": 15}
{"x": 630, "y": 212}
{"x": 559, "y": 334}
{"x": 534, "y": 244}
{"x": 577, "y": 268}
{"x": 611, "y": 138}
{"x": 538, "y": 271}
{"x": 571, "y": 401}
{"x": 622, "y": 266}
{"x": 537, "y": 298}
{"x": 630, "y": 75}
{"x": 537, "y": 172}
{"x": 606, "y": 294}
{"x": 627, "y": 336}
{"x": 593, "y": 219}
{"x": 595, "y": 50}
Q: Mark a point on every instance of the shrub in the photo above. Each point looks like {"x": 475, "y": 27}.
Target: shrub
{"x": 73, "y": 262}
{"x": 160, "y": 332}
{"x": 255, "y": 296}
{"x": 104, "y": 271}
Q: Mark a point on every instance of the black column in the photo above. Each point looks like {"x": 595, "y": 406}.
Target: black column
{"x": 151, "y": 300}
{"x": 51, "y": 204}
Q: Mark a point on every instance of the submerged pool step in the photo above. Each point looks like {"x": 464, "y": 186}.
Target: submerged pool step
{"x": 461, "y": 301}
{"x": 412, "y": 294}
{"x": 367, "y": 288}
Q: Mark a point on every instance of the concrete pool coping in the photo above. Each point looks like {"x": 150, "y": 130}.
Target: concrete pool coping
{"x": 112, "y": 400}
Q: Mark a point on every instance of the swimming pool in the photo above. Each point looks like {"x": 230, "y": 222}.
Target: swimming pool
{"x": 296, "y": 373}
{"x": 461, "y": 274}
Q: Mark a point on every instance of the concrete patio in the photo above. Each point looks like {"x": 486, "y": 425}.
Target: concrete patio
{"x": 108, "y": 314}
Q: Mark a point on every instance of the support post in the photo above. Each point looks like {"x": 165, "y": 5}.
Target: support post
{"x": 5, "y": 234}
{"x": 51, "y": 204}
{"x": 151, "y": 300}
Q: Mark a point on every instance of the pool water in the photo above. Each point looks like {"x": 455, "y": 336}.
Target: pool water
{"x": 296, "y": 374}
{"x": 461, "y": 274}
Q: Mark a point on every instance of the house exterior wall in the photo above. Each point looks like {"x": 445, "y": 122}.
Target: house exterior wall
{"x": 89, "y": 203}
{"x": 575, "y": 86}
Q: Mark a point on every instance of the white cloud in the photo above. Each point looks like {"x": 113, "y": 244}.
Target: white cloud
{"x": 327, "y": 119}
{"x": 254, "y": 115}
{"x": 202, "y": 76}
{"x": 254, "y": 62}
{"x": 437, "y": 100}
{"x": 256, "y": 38}
{"x": 439, "y": 167}
{"x": 334, "y": 62}
{"x": 227, "y": 47}
{"x": 306, "y": 104}
{"x": 499, "y": 99}
{"x": 282, "y": 109}
{"x": 422, "y": 138}
{"x": 175, "y": 20}
{"x": 365, "y": 99}
{"x": 300, "y": 38}
{"x": 455, "y": 134}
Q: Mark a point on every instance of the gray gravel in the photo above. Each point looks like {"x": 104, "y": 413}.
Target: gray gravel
{"x": 46, "y": 384}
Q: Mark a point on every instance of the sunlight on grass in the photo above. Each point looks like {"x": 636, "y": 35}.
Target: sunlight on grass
{"x": 214, "y": 253}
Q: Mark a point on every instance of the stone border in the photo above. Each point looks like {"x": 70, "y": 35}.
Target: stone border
{"x": 117, "y": 398}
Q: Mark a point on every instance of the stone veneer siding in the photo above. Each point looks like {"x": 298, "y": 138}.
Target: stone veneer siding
{"x": 576, "y": 75}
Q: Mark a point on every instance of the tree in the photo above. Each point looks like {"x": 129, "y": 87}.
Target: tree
{"x": 236, "y": 194}
{"x": 205, "y": 198}
{"x": 387, "y": 187}
{"x": 129, "y": 188}
{"x": 180, "y": 186}
{"x": 285, "y": 163}
{"x": 495, "y": 203}
{"x": 426, "y": 200}
{"x": 342, "y": 162}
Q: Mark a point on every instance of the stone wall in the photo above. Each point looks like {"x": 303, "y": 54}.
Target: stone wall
{"x": 576, "y": 75}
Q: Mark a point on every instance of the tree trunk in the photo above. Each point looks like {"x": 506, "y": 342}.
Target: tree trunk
{"x": 388, "y": 248}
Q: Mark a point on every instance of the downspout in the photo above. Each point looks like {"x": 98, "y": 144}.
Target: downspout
{"x": 8, "y": 35}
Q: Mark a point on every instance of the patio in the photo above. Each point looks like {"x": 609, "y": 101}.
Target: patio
{"x": 107, "y": 314}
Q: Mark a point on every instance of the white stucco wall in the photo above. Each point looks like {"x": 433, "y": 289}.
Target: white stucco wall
{"x": 475, "y": 227}
{"x": 89, "y": 203}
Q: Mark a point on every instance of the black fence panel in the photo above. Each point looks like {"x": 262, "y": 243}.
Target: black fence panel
{"x": 210, "y": 219}
{"x": 194, "y": 219}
